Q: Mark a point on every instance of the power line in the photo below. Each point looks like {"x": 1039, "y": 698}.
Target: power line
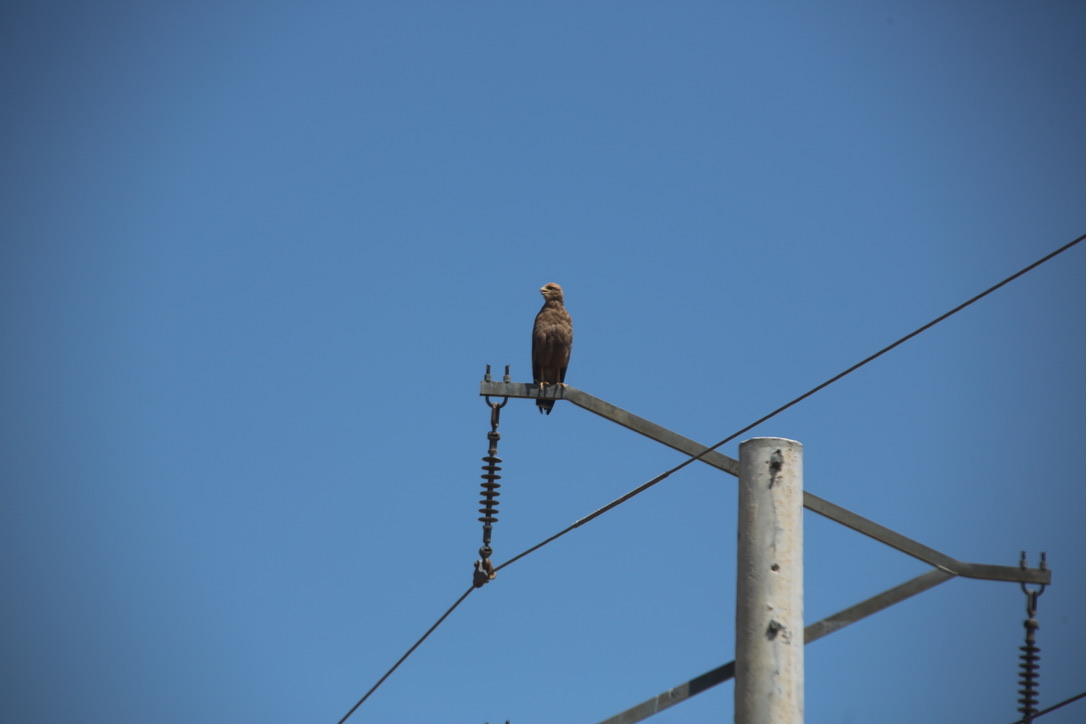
{"x": 409, "y": 652}
{"x": 645, "y": 486}
{"x": 1054, "y": 707}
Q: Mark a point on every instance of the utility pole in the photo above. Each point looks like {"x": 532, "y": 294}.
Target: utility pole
{"x": 769, "y": 635}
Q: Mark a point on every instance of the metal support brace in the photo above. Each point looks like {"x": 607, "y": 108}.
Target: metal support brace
{"x": 815, "y": 631}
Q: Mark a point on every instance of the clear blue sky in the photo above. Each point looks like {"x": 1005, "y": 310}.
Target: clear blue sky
{"x": 255, "y": 257}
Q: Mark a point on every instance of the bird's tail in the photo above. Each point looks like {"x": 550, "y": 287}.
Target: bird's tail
{"x": 545, "y": 406}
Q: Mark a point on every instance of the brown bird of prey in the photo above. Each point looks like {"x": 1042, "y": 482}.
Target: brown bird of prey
{"x": 552, "y": 340}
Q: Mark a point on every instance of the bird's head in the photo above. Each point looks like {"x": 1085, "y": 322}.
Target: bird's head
{"x": 551, "y": 292}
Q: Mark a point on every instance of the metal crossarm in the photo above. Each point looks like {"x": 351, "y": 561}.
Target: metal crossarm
{"x": 730, "y": 465}
{"x": 614, "y": 414}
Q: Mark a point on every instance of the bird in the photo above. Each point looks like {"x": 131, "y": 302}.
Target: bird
{"x": 552, "y": 341}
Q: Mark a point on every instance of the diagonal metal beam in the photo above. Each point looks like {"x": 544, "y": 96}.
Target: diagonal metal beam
{"x": 920, "y": 551}
{"x": 876, "y": 603}
{"x": 671, "y": 697}
{"x": 815, "y": 631}
{"x": 730, "y": 465}
{"x": 615, "y": 414}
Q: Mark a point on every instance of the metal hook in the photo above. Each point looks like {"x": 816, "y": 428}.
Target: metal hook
{"x": 495, "y": 412}
{"x": 1033, "y": 593}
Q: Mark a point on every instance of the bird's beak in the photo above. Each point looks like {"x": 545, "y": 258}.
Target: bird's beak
{"x": 542, "y": 290}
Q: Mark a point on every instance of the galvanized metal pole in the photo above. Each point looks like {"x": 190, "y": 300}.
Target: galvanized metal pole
{"x": 769, "y": 605}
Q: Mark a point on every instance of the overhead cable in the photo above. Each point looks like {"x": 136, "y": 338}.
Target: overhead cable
{"x": 1054, "y": 707}
{"x": 408, "y": 653}
{"x": 645, "y": 486}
